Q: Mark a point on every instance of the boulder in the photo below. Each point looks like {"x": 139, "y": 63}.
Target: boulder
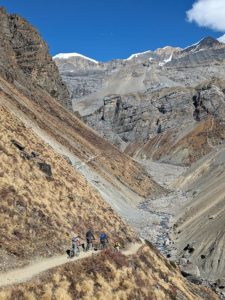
{"x": 25, "y": 155}
{"x": 167, "y": 242}
{"x": 68, "y": 159}
{"x": 183, "y": 261}
{"x": 18, "y": 145}
{"x": 221, "y": 283}
{"x": 190, "y": 269}
{"x": 194, "y": 279}
{"x": 189, "y": 248}
{"x": 46, "y": 168}
{"x": 34, "y": 154}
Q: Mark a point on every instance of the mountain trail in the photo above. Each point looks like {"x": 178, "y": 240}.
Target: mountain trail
{"x": 28, "y": 272}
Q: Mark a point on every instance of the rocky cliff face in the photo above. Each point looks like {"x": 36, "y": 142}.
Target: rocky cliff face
{"x": 155, "y": 97}
{"x": 25, "y": 60}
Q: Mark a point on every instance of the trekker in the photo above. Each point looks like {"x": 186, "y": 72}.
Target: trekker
{"x": 82, "y": 243}
{"x": 89, "y": 237}
{"x": 103, "y": 240}
{"x": 75, "y": 246}
{"x": 117, "y": 247}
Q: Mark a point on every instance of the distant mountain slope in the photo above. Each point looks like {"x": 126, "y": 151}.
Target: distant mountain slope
{"x": 202, "y": 223}
{"x": 153, "y": 98}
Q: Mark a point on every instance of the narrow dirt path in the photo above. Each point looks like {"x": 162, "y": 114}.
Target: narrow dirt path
{"x": 26, "y": 273}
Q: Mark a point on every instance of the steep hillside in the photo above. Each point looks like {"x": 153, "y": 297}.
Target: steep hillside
{"x": 41, "y": 208}
{"x": 26, "y": 90}
{"x": 40, "y": 211}
{"x": 88, "y": 147}
{"x": 202, "y": 224}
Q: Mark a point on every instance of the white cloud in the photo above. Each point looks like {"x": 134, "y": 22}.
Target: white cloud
{"x": 222, "y": 39}
{"x": 208, "y": 13}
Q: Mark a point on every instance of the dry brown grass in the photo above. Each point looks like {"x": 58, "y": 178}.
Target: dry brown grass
{"x": 38, "y": 215}
{"x": 111, "y": 276}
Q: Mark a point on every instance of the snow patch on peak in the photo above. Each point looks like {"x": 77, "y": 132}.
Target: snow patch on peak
{"x": 137, "y": 54}
{"x": 193, "y": 45}
{"x": 168, "y": 59}
{"x": 221, "y": 39}
{"x": 167, "y": 47}
{"x": 69, "y": 55}
{"x": 165, "y": 61}
{"x": 206, "y": 40}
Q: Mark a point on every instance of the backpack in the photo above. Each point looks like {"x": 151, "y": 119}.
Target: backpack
{"x": 103, "y": 236}
{"x": 89, "y": 235}
{"x": 75, "y": 239}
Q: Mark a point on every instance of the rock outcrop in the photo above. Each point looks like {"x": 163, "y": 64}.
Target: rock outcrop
{"x": 25, "y": 59}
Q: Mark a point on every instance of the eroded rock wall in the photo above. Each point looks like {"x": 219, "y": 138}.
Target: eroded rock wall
{"x": 25, "y": 59}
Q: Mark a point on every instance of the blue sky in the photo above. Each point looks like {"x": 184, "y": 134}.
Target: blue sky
{"x": 104, "y": 29}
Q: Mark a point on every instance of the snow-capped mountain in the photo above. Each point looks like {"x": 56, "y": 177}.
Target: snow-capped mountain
{"x": 66, "y": 56}
{"x": 140, "y": 71}
{"x": 203, "y": 44}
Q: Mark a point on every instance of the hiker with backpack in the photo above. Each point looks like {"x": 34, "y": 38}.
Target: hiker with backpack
{"x": 75, "y": 245}
{"x": 82, "y": 243}
{"x": 103, "y": 241}
{"x": 89, "y": 237}
{"x": 117, "y": 247}
{"x": 74, "y": 250}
